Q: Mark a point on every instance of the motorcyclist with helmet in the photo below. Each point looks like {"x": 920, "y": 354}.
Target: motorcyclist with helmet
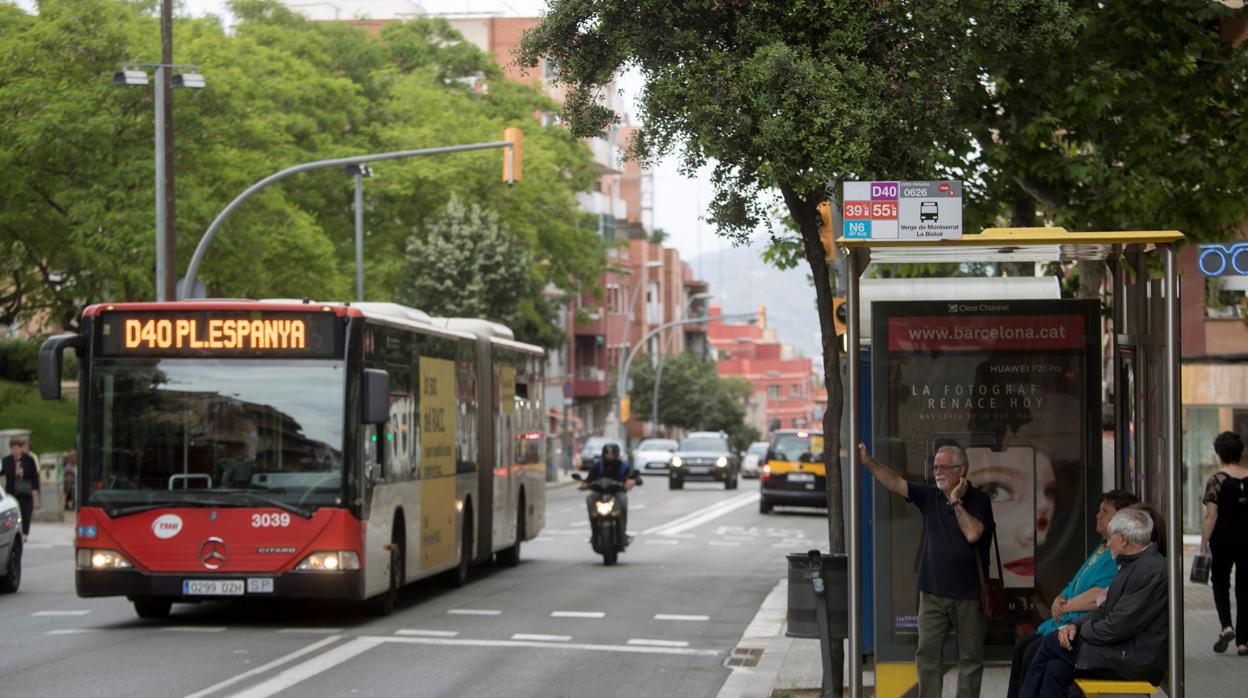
{"x": 613, "y": 467}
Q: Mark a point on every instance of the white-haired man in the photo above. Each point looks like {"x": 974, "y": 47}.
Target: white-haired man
{"x": 957, "y": 529}
{"x": 1127, "y": 636}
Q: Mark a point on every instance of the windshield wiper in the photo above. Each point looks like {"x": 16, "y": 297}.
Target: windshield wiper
{"x": 139, "y": 508}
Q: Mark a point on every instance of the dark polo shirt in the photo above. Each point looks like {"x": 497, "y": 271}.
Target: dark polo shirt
{"x": 947, "y": 567}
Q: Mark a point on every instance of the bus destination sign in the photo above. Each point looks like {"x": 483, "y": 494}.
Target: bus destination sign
{"x": 219, "y": 334}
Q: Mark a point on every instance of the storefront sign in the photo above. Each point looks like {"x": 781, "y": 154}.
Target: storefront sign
{"x": 1223, "y": 260}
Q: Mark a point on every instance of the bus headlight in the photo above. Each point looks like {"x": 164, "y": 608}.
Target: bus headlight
{"x": 605, "y": 508}
{"x": 722, "y": 462}
{"x": 330, "y": 561}
{"x": 676, "y": 463}
{"x": 100, "y": 559}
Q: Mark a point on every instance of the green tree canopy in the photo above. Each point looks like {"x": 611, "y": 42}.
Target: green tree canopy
{"x": 76, "y": 189}
{"x": 466, "y": 264}
{"x": 693, "y": 397}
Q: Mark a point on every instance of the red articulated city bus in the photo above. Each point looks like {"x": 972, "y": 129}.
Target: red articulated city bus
{"x": 287, "y": 449}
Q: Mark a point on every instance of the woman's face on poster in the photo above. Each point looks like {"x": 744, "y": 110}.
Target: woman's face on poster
{"x": 1021, "y": 484}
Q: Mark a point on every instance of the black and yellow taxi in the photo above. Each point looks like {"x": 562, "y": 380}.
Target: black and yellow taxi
{"x": 793, "y": 474}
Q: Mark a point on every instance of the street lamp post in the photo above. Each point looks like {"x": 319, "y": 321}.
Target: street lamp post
{"x": 186, "y": 76}
{"x": 614, "y": 422}
{"x": 658, "y": 371}
{"x": 359, "y": 171}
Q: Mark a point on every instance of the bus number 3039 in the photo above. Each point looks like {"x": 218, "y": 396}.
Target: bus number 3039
{"x": 270, "y": 520}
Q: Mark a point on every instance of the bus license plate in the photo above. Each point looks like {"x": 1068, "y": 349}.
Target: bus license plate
{"x": 801, "y": 477}
{"x": 212, "y": 587}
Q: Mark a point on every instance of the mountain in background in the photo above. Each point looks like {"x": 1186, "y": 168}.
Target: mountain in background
{"x": 741, "y": 281}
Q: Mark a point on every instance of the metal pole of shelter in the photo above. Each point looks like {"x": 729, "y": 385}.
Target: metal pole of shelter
{"x": 1175, "y": 680}
{"x": 853, "y": 266}
{"x": 202, "y": 248}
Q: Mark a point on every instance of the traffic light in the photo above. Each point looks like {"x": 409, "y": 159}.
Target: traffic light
{"x": 625, "y": 411}
{"x": 512, "y": 157}
{"x": 826, "y": 232}
{"x": 838, "y": 314}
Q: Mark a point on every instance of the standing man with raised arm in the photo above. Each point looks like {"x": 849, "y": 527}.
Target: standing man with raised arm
{"x": 957, "y": 531}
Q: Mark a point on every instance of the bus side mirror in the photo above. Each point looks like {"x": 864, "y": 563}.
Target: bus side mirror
{"x": 50, "y": 363}
{"x": 376, "y": 396}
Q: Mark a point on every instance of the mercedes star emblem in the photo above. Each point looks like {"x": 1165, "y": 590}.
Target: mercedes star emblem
{"x": 213, "y": 553}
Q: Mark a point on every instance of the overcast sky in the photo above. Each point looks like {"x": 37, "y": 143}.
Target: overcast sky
{"x": 678, "y": 201}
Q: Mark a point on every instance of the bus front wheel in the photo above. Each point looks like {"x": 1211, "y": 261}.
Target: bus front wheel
{"x": 150, "y": 608}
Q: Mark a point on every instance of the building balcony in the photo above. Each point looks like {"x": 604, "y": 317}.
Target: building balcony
{"x": 594, "y": 324}
{"x": 590, "y": 382}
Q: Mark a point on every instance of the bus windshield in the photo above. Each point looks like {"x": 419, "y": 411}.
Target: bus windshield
{"x": 228, "y": 432}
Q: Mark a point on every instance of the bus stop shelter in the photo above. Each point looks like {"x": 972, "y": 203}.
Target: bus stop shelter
{"x": 1143, "y": 345}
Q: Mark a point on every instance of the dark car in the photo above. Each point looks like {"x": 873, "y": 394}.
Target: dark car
{"x": 793, "y": 474}
{"x": 704, "y": 455}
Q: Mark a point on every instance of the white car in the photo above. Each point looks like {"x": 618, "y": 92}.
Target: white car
{"x": 653, "y": 456}
{"x": 10, "y": 544}
{"x": 752, "y": 463}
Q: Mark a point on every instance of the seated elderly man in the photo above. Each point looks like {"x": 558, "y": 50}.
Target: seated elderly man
{"x": 1126, "y": 637}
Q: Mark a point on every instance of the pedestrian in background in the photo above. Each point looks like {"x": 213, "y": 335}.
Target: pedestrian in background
{"x": 70, "y": 478}
{"x": 1225, "y": 536}
{"x": 957, "y": 532}
{"x": 21, "y": 479}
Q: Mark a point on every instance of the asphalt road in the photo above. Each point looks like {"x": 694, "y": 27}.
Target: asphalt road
{"x": 663, "y": 621}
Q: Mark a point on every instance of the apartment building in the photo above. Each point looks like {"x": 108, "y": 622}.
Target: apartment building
{"x": 783, "y": 384}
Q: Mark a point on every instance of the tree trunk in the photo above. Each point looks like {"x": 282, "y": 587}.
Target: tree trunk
{"x": 804, "y": 213}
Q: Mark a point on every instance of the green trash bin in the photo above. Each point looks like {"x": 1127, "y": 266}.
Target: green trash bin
{"x": 802, "y": 609}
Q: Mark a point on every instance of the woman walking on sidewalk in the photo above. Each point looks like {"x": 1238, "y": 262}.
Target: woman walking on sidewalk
{"x": 1225, "y": 535}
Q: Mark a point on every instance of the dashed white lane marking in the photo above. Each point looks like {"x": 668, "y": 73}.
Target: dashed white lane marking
{"x": 310, "y": 631}
{"x": 314, "y": 666}
{"x": 707, "y": 515}
{"x": 577, "y": 614}
{"x": 642, "y": 642}
{"x": 195, "y": 629}
{"x": 271, "y": 665}
{"x": 677, "y": 616}
{"x": 635, "y": 649}
{"x": 72, "y": 631}
{"x": 473, "y": 612}
{"x": 662, "y": 541}
{"x": 537, "y": 637}
{"x": 426, "y": 633}
{"x": 726, "y": 543}
{"x": 743, "y": 539}
{"x": 60, "y": 613}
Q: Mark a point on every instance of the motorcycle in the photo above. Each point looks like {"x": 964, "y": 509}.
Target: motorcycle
{"x": 606, "y": 523}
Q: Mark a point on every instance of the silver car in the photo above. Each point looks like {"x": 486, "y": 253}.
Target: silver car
{"x": 752, "y": 463}
{"x": 653, "y": 456}
{"x": 10, "y": 544}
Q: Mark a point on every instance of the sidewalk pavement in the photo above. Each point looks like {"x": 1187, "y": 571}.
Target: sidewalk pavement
{"x": 793, "y": 667}
{"x": 562, "y": 479}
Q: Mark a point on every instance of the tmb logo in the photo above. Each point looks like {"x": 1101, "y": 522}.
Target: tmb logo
{"x": 167, "y": 526}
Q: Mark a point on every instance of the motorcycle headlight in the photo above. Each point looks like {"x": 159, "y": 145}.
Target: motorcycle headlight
{"x": 330, "y": 561}
{"x": 676, "y": 463}
{"x": 99, "y": 559}
{"x": 722, "y": 462}
{"x": 605, "y": 508}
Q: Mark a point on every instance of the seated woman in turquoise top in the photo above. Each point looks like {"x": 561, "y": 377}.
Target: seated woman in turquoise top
{"x": 1080, "y": 595}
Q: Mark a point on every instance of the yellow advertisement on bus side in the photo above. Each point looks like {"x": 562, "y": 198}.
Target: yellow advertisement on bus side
{"x": 437, "y": 462}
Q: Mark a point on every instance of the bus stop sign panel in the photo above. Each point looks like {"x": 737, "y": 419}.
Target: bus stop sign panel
{"x": 922, "y": 211}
